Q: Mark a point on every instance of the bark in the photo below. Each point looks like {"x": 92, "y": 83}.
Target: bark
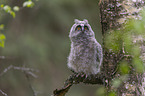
{"x": 111, "y": 12}
{"x": 76, "y": 79}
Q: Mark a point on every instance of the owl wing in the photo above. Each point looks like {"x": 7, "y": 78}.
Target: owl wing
{"x": 99, "y": 56}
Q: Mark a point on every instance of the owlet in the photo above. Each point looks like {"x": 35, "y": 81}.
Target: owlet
{"x": 86, "y": 53}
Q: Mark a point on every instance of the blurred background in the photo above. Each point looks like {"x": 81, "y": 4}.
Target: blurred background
{"x": 38, "y": 38}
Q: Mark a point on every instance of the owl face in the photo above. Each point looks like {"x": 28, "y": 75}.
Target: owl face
{"x": 81, "y": 30}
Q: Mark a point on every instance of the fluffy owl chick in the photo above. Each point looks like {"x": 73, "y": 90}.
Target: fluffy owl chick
{"x": 86, "y": 53}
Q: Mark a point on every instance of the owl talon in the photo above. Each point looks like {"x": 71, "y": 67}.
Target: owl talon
{"x": 77, "y": 75}
{"x": 80, "y": 75}
{"x": 83, "y": 75}
{"x": 86, "y": 77}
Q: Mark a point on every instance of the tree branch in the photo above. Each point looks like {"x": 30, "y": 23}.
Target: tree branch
{"x": 3, "y": 93}
{"x": 76, "y": 79}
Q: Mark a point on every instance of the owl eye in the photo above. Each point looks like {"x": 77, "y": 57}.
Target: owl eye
{"x": 86, "y": 28}
{"x": 78, "y": 28}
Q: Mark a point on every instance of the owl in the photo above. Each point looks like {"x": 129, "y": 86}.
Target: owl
{"x": 86, "y": 53}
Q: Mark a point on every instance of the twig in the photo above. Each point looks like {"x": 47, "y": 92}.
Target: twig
{"x": 30, "y": 85}
{"x": 29, "y": 70}
{"x": 3, "y": 93}
{"x": 76, "y": 79}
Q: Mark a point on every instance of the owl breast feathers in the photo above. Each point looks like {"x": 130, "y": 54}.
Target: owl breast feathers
{"x": 86, "y": 53}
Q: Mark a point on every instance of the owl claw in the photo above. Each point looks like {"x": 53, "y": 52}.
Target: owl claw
{"x": 82, "y": 75}
{"x": 86, "y": 77}
{"x": 78, "y": 75}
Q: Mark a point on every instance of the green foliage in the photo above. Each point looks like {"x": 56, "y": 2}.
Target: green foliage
{"x": 2, "y": 40}
{"x": 116, "y": 83}
{"x": 138, "y": 64}
{"x": 2, "y": 36}
{"x": 28, "y": 4}
{"x": 2, "y": 5}
{"x": 112, "y": 93}
{"x": 129, "y": 39}
{"x": 124, "y": 67}
{"x": 2, "y": 27}
{"x": 113, "y": 41}
{"x": 9, "y": 10}
{"x": 16, "y": 8}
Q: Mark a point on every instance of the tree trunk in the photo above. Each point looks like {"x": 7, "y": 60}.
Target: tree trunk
{"x": 111, "y": 11}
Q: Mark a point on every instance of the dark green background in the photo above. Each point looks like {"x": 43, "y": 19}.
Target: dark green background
{"x": 38, "y": 38}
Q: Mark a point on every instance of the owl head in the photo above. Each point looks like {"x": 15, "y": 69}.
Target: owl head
{"x": 81, "y": 30}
